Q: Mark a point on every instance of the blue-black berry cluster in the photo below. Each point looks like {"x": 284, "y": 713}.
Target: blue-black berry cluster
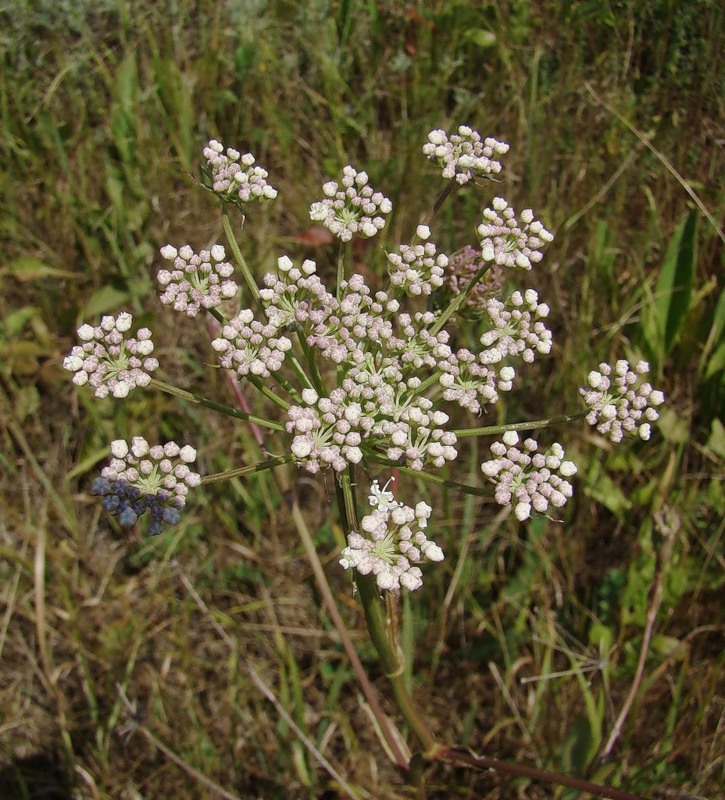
{"x": 129, "y": 503}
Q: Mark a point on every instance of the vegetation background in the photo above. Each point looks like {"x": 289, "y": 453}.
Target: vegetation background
{"x": 525, "y": 642}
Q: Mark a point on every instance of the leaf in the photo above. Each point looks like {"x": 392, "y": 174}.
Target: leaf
{"x": 606, "y": 492}
{"x": 27, "y": 402}
{"x": 31, "y": 269}
{"x": 106, "y": 299}
{"x": 16, "y": 320}
{"x": 674, "y": 286}
{"x": 22, "y": 357}
{"x": 716, "y": 440}
{"x": 575, "y": 753}
{"x": 716, "y": 362}
{"x": 482, "y": 38}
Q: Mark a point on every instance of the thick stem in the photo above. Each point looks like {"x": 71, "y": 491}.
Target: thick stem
{"x": 379, "y": 630}
{"x": 339, "y": 624}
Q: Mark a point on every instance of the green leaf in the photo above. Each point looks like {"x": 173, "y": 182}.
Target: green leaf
{"x": 606, "y": 492}
{"x": 106, "y": 299}
{"x": 16, "y": 320}
{"x": 716, "y": 362}
{"x": 31, "y": 269}
{"x": 674, "y": 286}
{"x": 482, "y": 38}
{"x": 716, "y": 440}
{"x": 27, "y": 402}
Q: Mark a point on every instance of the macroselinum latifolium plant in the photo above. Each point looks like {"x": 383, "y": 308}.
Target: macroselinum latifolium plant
{"x": 359, "y": 381}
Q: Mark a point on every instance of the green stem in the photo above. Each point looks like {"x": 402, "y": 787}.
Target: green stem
{"x": 427, "y": 477}
{"x": 268, "y": 393}
{"x": 450, "y": 186}
{"x": 379, "y": 630}
{"x": 467, "y": 433}
{"x": 243, "y": 266}
{"x": 339, "y": 624}
{"x": 285, "y": 384}
{"x": 314, "y": 374}
{"x": 340, "y": 268}
{"x": 213, "y": 405}
{"x": 249, "y": 469}
{"x": 459, "y": 299}
{"x": 217, "y": 316}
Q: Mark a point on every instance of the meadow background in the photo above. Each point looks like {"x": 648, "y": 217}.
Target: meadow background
{"x": 525, "y": 641}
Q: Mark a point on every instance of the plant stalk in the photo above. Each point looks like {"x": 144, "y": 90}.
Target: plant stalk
{"x": 379, "y": 630}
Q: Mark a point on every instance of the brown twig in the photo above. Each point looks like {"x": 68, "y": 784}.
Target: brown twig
{"x": 655, "y": 601}
{"x": 460, "y": 757}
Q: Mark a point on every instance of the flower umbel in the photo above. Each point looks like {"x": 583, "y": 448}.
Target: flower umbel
{"x": 235, "y": 177}
{"x": 391, "y": 541}
{"x": 507, "y": 242}
{"x": 463, "y": 155}
{"x": 143, "y": 478}
{"x": 416, "y": 269}
{"x": 623, "y": 405}
{"x": 248, "y": 347}
{"x": 196, "y": 281}
{"x": 351, "y": 207}
{"x": 517, "y": 328}
{"x": 110, "y": 363}
{"x": 527, "y": 479}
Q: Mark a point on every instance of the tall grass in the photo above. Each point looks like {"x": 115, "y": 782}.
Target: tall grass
{"x": 527, "y": 642}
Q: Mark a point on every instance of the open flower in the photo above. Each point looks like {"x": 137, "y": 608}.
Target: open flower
{"x": 391, "y": 542}
{"x": 109, "y": 362}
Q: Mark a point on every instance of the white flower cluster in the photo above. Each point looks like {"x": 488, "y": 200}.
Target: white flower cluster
{"x": 391, "y": 542}
{"x": 508, "y": 243}
{"x": 467, "y": 380}
{"x": 377, "y": 405}
{"x": 152, "y": 469}
{"x": 249, "y": 347}
{"x": 235, "y": 177}
{"x": 109, "y": 362}
{"x": 463, "y": 155}
{"x": 517, "y": 329}
{"x": 351, "y": 207}
{"x": 622, "y": 405}
{"x": 527, "y": 479}
{"x": 196, "y": 281}
{"x": 416, "y": 269}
